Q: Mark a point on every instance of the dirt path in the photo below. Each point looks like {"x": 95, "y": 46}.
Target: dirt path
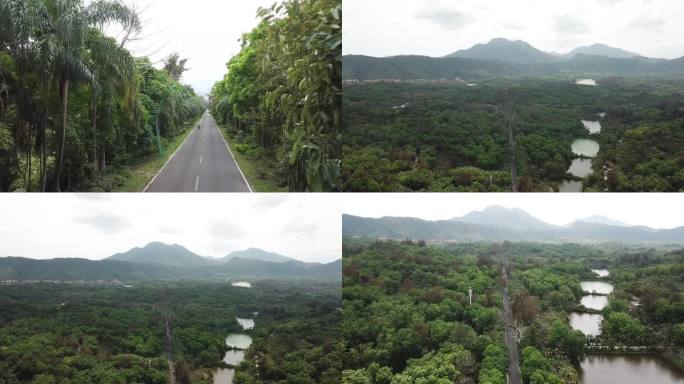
{"x": 511, "y": 343}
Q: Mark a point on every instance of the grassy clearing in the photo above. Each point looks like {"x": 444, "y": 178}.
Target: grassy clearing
{"x": 258, "y": 170}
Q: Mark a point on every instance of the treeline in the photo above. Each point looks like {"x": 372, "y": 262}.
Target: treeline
{"x": 74, "y": 103}
{"x": 281, "y": 98}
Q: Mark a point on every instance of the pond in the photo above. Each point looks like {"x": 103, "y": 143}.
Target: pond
{"x": 223, "y": 375}
{"x": 594, "y": 127}
{"x": 246, "y": 323}
{"x": 629, "y": 369}
{"x": 586, "y": 82}
{"x": 585, "y": 147}
{"x": 569, "y": 186}
{"x": 234, "y": 357}
{"x": 588, "y": 323}
{"x": 238, "y": 341}
{"x": 581, "y": 167}
{"x": 242, "y": 284}
{"x": 594, "y": 302}
{"x": 599, "y": 287}
{"x": 601, "y": 272}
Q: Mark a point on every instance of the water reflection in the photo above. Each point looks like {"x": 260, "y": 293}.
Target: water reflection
{"x": 581, "y": 167}
{"x": 588, "y": 323}
{"x": 629, "y": 369}
{"x": 246, "y": 323}
{"x": 594, "y": 127}
{"x": 594, "y": 302}
{"x": 601, "y": 272}
{"x": 571, "y": 186}
{"x": 585, "y": 147}
{"x": 597, "y": 287}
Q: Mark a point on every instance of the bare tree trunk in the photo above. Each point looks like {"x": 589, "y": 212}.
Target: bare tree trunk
{"x": 61, "y": 141}
{"x": 104, "y": 160}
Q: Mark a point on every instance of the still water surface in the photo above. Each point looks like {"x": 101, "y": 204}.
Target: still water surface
{"x": 595, "y": 302}
{"x": 629, "y": 369}
{"x": 585, "y": 147}
{"x": 581, "y": 167}
{"x": 588, "y": 323}
{"x": 597, "y": 287}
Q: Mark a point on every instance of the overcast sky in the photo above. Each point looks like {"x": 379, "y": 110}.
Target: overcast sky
{"x": 305, "y": 227}
{"x": 204, "y": 31}
{"x": 653, "y": 210}
{"x": 439, "y": 27}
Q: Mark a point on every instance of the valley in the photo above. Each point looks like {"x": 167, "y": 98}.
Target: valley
{"x": 583, "y": 309}
{"x": 586, "y": 123}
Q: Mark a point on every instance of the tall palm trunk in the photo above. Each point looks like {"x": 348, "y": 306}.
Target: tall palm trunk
{"x": 61, "y": 140}
{"x": 93, "y": 117}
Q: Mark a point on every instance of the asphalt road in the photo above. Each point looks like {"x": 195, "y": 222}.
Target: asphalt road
{"x": 202, "y": 163}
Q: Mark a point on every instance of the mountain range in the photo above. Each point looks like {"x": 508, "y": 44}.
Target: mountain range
{"x": 159, "y": 261}
{"x": 505, "y": 58}
{"x": 501, "y": 224}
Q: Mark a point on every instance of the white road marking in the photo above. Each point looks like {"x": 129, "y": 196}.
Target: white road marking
{"x": 196, "y": 183}
{"x": 200, "y": 159}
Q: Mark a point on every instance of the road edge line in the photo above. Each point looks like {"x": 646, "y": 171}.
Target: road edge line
{"x": 234, "y": 160}
{"x": 167, "y": 161}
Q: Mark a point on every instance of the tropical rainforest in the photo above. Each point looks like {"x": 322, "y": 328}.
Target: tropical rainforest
{"x": 280, "y": 101}
{"x": 76, "y": 107}
{"x": 407, "y": 316}
{"x": 89, "y": 333}
{"x": 511, "y": 134}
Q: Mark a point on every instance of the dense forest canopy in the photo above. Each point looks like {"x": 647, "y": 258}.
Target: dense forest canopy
{"x": 281, "y": 97}
{"x": 435, "y": 136}
{"x": 75, "y": 105}
{"x": 76, "y": 334}
{"x": 407, "y": 317}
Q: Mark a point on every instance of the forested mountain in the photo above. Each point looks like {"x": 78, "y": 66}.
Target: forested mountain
{"x": 504, "y": 58}
{"x": 162, "y": 254}
{"x": 505, "y": 229}
{"x": 161, "y": 261}
{"x": 505, "y": 50}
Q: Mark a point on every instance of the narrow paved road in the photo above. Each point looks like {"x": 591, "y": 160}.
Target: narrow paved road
{"x": 511, "y": 342}
{"x": 169, "y": 337}
{"x": 203, "y": 163}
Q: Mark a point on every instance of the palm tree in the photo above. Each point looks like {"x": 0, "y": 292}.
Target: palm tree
{"x": 109, "y": 63}
{"x": 63, "y": 37}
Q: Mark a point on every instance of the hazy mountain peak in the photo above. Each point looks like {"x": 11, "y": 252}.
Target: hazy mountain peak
{"x": 257, "y": 254}
{"x": 599, "y": 49}
{"x": 600, "y": 219}
{"x": 499, "y": 216}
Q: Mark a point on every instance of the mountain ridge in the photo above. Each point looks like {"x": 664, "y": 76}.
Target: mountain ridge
{"x": 503, "y": 230}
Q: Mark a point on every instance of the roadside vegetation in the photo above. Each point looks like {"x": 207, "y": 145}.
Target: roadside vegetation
{"x": 280, "y": 101}
{"x": 76, "y": 108}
